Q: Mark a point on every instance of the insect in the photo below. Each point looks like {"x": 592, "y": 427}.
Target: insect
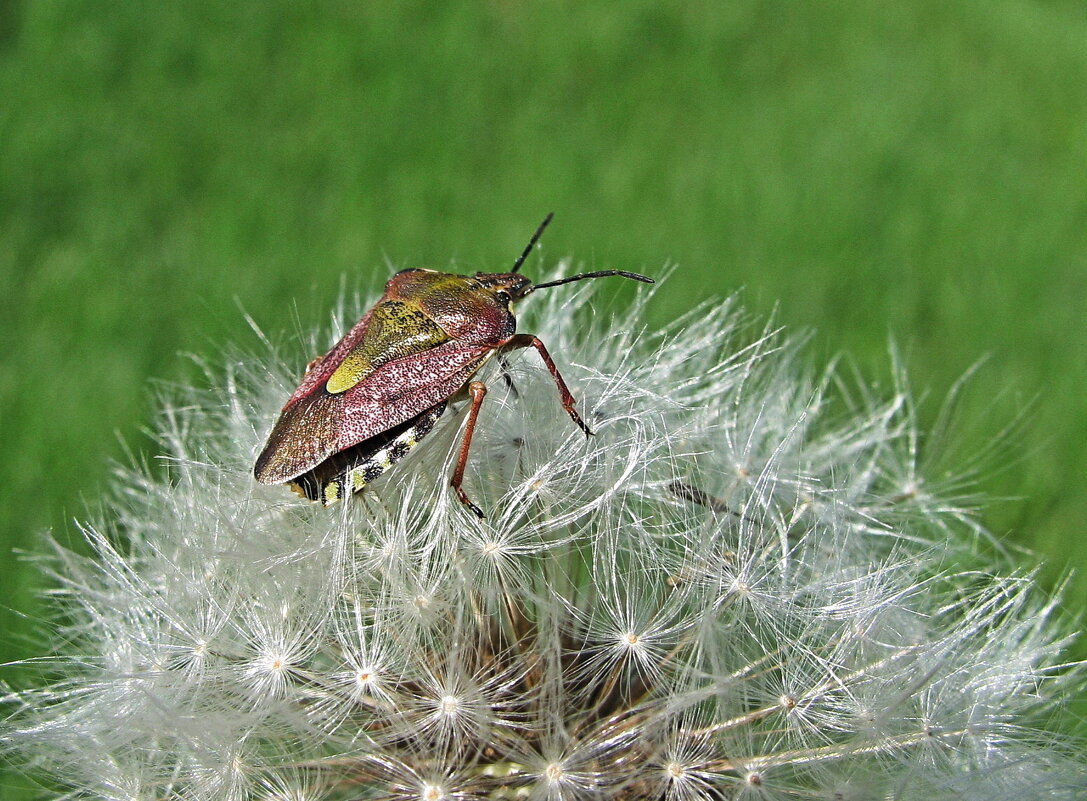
{"x": 372, "y": 398}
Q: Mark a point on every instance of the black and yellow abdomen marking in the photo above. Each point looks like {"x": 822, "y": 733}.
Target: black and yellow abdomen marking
{"x": 351, "y": 470}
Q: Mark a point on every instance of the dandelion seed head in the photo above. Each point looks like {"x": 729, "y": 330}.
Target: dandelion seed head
{"x": 739, "y": 587}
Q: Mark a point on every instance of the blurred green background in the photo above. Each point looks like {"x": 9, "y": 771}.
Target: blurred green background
{"x": 913, "y": 170}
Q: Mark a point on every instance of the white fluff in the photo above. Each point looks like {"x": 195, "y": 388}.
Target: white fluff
{"x": 807, "y": 631}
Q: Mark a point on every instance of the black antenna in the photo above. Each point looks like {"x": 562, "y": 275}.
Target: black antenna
{"x": 532, "y": 242}
{"x": 598, "y": 274}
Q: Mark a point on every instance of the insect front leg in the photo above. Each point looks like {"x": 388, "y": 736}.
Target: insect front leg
{"x": 530, "y": 340}
{"x": 478, "y": 391}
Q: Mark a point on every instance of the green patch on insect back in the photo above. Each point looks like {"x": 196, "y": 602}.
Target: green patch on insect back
{"x": 397, "y": 330}
{"x": 350, "y": 372}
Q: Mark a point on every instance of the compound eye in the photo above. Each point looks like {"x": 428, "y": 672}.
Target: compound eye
{"x": 503, "y": 297}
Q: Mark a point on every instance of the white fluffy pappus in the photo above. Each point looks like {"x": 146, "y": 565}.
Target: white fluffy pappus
{"x": 743, "y": 586}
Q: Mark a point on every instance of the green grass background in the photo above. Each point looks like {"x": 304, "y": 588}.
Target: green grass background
{"x": 913, "y": 170}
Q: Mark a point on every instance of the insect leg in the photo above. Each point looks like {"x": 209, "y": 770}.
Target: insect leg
{"x": 505, "y": 372}
{"x": 689, "y": 492}
{"x": 478, "y": 391}
{"x": 530, "y": 340}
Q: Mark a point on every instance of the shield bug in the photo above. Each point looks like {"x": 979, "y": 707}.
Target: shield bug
{"x": 362, "y": 406}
